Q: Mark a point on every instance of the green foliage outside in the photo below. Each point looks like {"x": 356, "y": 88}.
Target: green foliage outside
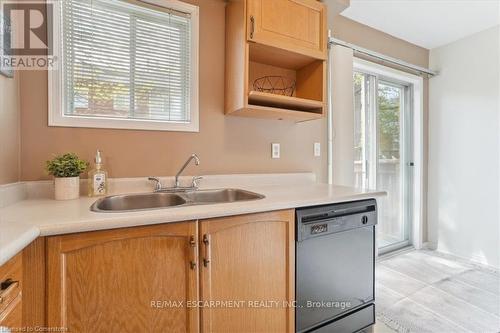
{"x": 389, "y": 113}
{"x": 66, "y": 165}
{"x": 388, "y": 122}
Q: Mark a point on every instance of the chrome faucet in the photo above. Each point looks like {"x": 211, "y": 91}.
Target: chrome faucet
{"x": 157, "y": 181}
{"x": 158, "y": 187}
{"x": 196, "y": 162}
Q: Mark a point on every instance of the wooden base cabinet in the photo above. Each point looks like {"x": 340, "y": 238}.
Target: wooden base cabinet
{"x": 124, "y": 280}
{"x": 149, "y": 279}
{"x": 11, "y": 294}
{"x": 247, "y": 275}
{"x": 22, "y": 290}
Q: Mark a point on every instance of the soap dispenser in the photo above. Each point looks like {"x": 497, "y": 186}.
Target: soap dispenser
{"x": 97, "y": 178}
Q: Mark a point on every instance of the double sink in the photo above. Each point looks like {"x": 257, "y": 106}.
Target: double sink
{"x": 157, "y": 200}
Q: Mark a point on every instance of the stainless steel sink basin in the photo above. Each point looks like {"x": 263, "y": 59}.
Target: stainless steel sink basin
{"x": 222, "y": 195}
{"x": 133, "y": 202}
{"x": 147, "y": 201}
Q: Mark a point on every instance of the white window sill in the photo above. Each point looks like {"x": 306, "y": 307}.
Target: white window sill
{"x": 115, "y": 123}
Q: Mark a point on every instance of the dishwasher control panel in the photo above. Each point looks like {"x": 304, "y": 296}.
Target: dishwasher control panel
{"x": 321, "y": 220}
{"x": 319, "y": 228}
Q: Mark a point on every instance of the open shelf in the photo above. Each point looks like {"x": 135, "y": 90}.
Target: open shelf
{"x": 256, "y": 111}
{"x": 285, "y": 102}
{"x": 278, "y": 57}
{"x": 249, "y": 59}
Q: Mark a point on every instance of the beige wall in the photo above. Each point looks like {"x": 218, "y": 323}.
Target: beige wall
{"x": 343, "y": 116}
{"x": 225, "y": 144}
{"x": 375, "y": 40}
{"x": 9, "y": 130}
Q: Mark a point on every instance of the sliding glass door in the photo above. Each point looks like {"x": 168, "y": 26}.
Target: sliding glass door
{"x": 383, "y": 153}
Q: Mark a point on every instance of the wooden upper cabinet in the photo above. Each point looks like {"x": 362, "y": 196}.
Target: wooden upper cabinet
{"x": 248, "y": 258}
{"x": 294, "y": 25}
{"x": 276, "y": 44}
{"x": 123, "y": 280}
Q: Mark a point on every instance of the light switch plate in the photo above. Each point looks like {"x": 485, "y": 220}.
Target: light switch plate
{"x": 275, "y": 150}
{"x": 317, "y": 149}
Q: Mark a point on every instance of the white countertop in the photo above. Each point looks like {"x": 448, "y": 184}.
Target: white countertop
{"x": 24, "y": 221}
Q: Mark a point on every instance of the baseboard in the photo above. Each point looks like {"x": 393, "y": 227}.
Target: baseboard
{"x": 429, "y": 246}
{"x": 469, "y": 260}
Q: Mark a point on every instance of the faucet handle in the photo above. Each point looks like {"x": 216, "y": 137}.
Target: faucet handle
{"x": 158, "y": 185}
{"x": 195, "y": 182}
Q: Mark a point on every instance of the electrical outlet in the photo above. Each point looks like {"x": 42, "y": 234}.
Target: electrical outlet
{"x": 317, "y": 149}
{"x": 275, "y": 150}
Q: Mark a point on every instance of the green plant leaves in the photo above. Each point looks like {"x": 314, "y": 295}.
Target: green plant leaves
{"x": 66, "y": 165}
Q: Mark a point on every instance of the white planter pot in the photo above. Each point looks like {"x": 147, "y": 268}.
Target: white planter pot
{"x": 67, "y": 188}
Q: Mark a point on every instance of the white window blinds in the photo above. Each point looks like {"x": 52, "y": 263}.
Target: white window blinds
{"x": 126, "y": 61}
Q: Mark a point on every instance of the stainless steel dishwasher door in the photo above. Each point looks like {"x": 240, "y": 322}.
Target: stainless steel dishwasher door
{"x": 335, "y": 270}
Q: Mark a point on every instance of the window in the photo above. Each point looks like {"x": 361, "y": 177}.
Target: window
{"x": 125, "y": 65}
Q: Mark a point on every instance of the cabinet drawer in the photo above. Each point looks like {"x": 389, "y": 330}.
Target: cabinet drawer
{"x": 294, "y": 25}
{"x": 10, "y": 281}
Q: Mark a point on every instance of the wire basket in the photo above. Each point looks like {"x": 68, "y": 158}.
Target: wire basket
{"x": 273, "y": 84}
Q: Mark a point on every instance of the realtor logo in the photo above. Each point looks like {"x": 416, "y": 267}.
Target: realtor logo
{"x": 24, "y": 35}
{"x": 31, "y": 20}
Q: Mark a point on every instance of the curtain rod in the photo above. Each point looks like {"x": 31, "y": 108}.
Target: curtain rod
{"x": 379, "y": 56}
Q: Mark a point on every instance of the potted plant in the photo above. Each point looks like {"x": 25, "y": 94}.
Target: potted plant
{"x": 66, "y": 170}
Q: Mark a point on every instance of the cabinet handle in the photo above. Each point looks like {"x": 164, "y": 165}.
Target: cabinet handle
{"x": 192, "y": 243}
{"x": 7, "y": 287}
{"x": 206, "y": 242}
{"x": 252, "y": 26}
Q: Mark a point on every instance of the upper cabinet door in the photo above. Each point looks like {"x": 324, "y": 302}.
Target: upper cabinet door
{"x": 125, "y": 280}
{"x": 294, "y": 25}
{"x": 248, "y": 261}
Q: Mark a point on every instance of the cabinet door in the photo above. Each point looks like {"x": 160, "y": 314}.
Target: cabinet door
{"x": 294, "y": 25}
{"x": 125, "y": 280}
{"x": 247, "y": 273}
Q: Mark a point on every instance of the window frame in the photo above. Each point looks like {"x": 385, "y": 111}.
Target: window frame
{"x": 417, "y": 101}
{"x": 56, "y": 102}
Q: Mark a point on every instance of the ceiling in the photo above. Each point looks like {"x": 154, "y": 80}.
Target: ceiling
{"x": 427, "y": 23}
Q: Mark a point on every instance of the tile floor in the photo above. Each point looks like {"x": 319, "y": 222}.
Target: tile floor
{"x": 424, "y": 291}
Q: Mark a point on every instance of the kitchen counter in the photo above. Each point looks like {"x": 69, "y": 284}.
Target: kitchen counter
{"x": 24, "y": 221}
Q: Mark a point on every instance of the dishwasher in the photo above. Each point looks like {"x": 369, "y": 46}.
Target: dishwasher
{"x": 335, "y": 267}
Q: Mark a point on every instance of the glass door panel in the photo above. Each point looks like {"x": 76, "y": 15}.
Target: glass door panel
{"x": 383, "y": 152}
{"x": 390, "y": 104}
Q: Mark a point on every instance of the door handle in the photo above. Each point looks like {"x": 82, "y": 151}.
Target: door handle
{"x": 206, "y": 243}
{"x": 7, "y": 289}
{"x": 192, "y": 244}
{"x": 252, "y": 26}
